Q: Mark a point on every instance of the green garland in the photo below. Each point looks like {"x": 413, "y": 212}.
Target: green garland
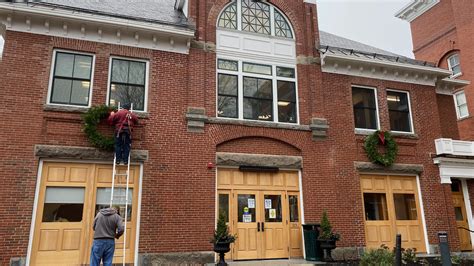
{"x": 92, "y": 119}
{"x": 371, "y": 143}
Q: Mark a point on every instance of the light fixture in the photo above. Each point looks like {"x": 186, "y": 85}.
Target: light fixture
{"x": 392, "y": 98}
{"x": 283, "y": 103}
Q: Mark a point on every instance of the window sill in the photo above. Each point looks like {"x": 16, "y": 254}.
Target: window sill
{"x": 464, "y": 118}
{"x": 82, "y": 110}
{"x": 250, "y": 123}
{"x": 366, "y": 132}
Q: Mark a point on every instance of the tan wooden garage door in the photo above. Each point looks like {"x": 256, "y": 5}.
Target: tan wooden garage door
{"x": 70, "y": 195}
{"x": 263, "y": 209}
{"x": 391, "y": 207}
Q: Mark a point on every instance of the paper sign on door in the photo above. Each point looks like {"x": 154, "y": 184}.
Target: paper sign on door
{"x": 268, "y": 203}
{"x": 247, "y": 218}
{"x": 251, "y": 203}
{"x": 273, "y": 213}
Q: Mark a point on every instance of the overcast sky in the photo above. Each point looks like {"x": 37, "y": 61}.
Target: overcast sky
{"x": 368, "y": 21}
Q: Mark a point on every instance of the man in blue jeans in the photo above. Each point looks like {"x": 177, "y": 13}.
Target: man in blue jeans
{"x": 107, "y": 226}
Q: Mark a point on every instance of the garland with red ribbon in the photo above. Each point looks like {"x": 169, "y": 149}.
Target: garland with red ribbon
{"x": 385, "y": 139}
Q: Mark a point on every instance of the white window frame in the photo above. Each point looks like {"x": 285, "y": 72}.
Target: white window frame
{"x": 412, "y": 127}
{"x": 51, "y": 76}
{"x": 147, "y": 75}
{"x": 457, "y": 105}
{"x": 451, "y": 66}
{"x": 240, "y": 87}
{"x": 376, "y": 108}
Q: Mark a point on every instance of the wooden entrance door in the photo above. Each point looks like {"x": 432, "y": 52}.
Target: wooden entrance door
{"x": 461, "y": 217}
{"x": 70, "y": 195}
{"x": 391, "y": 206}
{"x": 263, "y": 209}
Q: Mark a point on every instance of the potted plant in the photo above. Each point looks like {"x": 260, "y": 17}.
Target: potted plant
{"x": 327, "y": 237}
{"x": 222, "y": 239}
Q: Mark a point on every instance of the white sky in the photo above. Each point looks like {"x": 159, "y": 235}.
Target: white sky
{"x": 367, "y": 21}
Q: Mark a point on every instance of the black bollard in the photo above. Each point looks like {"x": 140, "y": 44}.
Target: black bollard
{"x": 398, "y": 251}
{"x": 444, "y": 249}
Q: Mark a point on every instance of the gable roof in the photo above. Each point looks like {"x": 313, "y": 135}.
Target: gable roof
{"x": 329, "y": 39}
{"x": 153, "y": 11}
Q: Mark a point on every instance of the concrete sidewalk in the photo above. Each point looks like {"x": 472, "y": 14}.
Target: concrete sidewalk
{"x": 283, "y": 262}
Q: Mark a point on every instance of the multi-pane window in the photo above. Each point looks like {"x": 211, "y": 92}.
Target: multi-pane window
{"x": 365, "y": 108}
{"x": 71, "y": 79}
{"x": 255, "y": 16}
{"x": 128, "y": 83}
{"x": 399, "y": 111}
{"x": 461, "y": 104}
{"x": 454, "y": 65}
{"x": 256, "y": 92}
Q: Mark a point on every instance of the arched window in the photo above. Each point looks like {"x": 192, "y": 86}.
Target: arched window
{"x": 258, "y": 17}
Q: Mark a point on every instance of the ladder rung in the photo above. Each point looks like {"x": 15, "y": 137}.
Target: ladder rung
{"x": 121, "y": 174}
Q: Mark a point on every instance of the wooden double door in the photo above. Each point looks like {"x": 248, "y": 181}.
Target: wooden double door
{"x": 266, "y": 219}
{"x": 391, "y": 207}
{"x": 461, "y": 215}
{"x": 69, "y": 197}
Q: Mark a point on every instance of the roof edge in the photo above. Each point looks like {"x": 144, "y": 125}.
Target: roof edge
{"x": 415, "y": 9}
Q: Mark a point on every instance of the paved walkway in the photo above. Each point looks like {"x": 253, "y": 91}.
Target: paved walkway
{"x": 291, "y": 262}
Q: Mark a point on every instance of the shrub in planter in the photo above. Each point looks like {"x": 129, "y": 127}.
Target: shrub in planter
{"x": 327, "y": 237}
{"x": 222, "y": 238}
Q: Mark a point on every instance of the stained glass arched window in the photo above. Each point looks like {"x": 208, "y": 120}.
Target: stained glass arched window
{"x": 258, "y": 17}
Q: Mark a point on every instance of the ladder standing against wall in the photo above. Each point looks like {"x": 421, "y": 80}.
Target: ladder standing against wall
{"x": 120, "y": 197}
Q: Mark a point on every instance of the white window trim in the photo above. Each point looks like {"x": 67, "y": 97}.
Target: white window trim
{"x": 457, "y": 106}
{"x": 51, "y": 75}
{"x": 147, "y": 74}
{"x": 412, "y": 127}
{"x": 240, "y": 88}
{"x": 272, "y": 20}
{"x": 358, "y": 129}
{"x": 451, "y": 67}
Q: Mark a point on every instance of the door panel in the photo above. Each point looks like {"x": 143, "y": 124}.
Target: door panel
{"x": 295, "y": 237}
{"x": 274, "y": 226}
{"x": 248, "y": 242}
{"x": 391, "y": 206}
{"x": 461, "y": 215}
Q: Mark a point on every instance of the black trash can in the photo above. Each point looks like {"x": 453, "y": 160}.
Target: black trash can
{"x": 311, "y": 245}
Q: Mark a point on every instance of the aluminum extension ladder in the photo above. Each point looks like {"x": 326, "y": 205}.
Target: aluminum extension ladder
{"x": 120, "y": 198}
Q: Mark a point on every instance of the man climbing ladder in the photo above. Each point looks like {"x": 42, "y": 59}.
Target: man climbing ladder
{"x": 123, "y": 121}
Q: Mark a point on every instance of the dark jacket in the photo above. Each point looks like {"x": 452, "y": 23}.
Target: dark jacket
{"x": 108, "y": 224}
{"x": 123, "y": 120}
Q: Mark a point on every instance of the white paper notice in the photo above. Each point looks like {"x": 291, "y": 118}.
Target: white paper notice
{"x": 251, "y": 203}
{"x": 273, "y": 214}
{"x": 268, "y": 203}
{"x": 247, "y": 218}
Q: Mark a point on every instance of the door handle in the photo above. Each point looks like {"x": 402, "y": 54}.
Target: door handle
{"x": 258, "y": 227}
{"x": 263, "y": 227}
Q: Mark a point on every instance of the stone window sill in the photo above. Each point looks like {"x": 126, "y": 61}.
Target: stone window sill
{"x": 464, "y": 118}
{"x": 249, "y": 123}
{"x": 363, "y": 132}
{"x": 82, "y": 110}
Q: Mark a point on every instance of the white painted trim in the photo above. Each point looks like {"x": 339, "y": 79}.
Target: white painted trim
{"x": 54, "y": 12}
{"x": 456, "y": 105}
{"x": 147, "y": 77}
{"x": 240, "y": 97}
{"x": 422, "y": 211}
{"x": 376, "y": 107}
{"x": 415, "y": 9}
{"x": 51, "y": 75}
{"x": 412, "y": 127}
{"x": 300, "y": 176}
{"x": 310, "y": 2}
{"x": 450, "y": 67}
{"x": 35, "y": 208}
{"x": 139, "y": 209}
{"x": 467, "y": 203}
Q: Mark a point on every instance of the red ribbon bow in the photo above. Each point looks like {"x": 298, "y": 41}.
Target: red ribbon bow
{"x": 382, "y": 137}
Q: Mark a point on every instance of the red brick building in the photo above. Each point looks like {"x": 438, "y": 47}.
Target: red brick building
{"x": 442, "y": 32}
{"x": 244, "y": 106}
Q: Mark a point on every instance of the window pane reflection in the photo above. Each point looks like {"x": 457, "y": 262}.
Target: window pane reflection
{"x": 375, "y": 206}
{"x": 405, "y": 206}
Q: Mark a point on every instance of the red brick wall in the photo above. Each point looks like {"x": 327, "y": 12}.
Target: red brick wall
{"x": 178, "y": 197}
{"x": 447, "y": 116}
{"x": 448, "y": 27}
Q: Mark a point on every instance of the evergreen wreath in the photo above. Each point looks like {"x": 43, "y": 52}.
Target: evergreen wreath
{"x": 92, "y": 119}
{"x": 385, "y": 139}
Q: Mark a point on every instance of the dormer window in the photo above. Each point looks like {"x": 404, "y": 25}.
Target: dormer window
{"x": 257, "y": 17}
{"x": 454, "y": 65}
